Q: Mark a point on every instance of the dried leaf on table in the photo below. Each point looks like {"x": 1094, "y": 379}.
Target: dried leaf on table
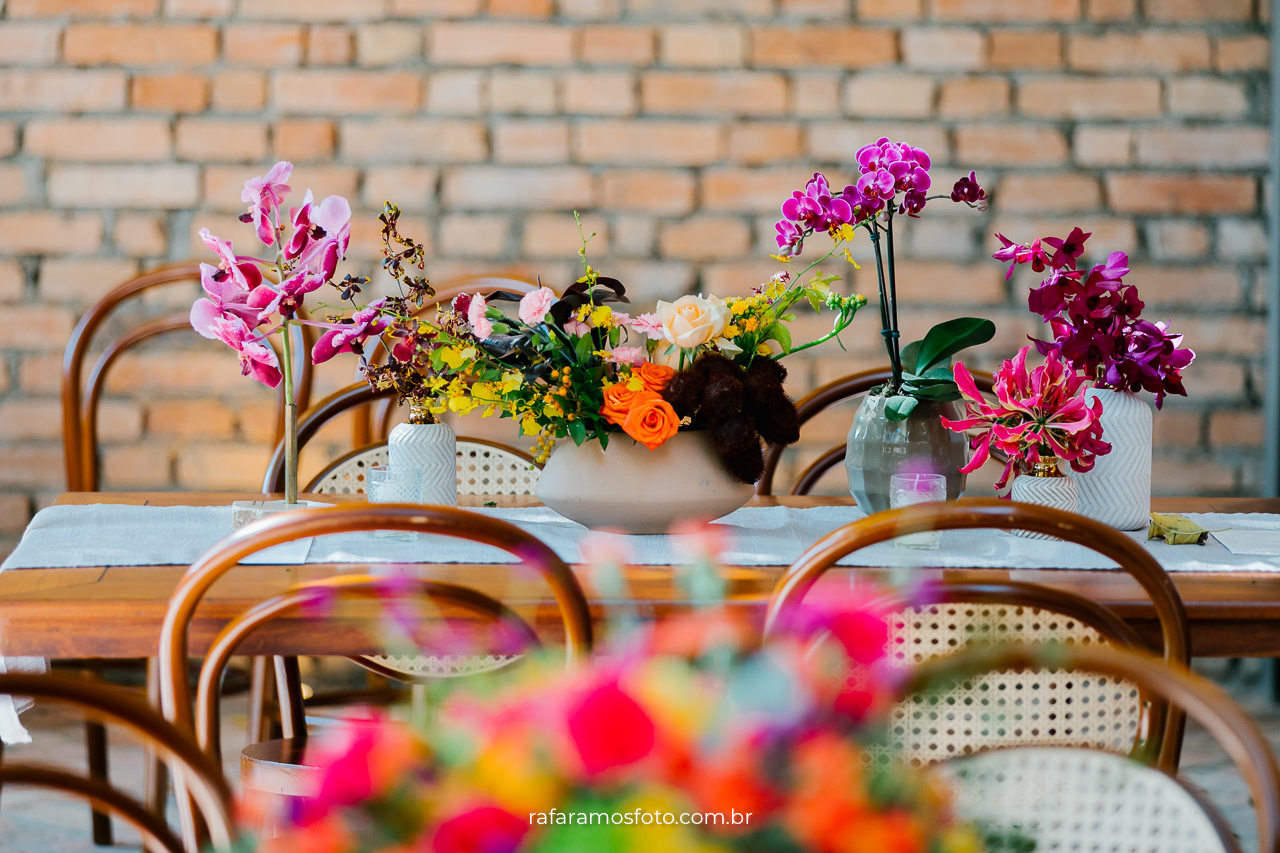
{"x": 1176, "y": 529}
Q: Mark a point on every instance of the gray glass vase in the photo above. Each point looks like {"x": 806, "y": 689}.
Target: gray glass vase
{"x": 878, "y": 448}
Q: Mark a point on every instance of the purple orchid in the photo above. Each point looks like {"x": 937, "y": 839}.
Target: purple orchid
{"x": 350, "y": 335}
{"x": 243, "y": 271}
{"x": 817, "y": 208}
{"x": 264, "y": 196}
{"x": 1068, "y": 248}
{"x": 257, "y": 359}
{"x": 967, "y": 190}
{"x": 287, "y": 298}
{"x": 224, "y": 298}
{"x": 321, "y": 234}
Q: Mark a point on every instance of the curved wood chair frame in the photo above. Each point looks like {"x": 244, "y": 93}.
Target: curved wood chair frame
{"x": 374, "y": 421}
{"x": 80, "y": 402}
{"x": 516, "y": 633}
{"x": 202, "y": 776}
{"x": 1188, "y": 693}
{"x": 992, "y": 513}
{"x": 822, "y": 398}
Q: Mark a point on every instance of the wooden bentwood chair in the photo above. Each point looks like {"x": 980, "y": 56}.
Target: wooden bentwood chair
{"x": 1034, "y": 708}
{"x": 199, "y": 772}
{"x": 1069, "y": 798}
{"x": 808, "y": 407}
{"x": 268, "y": 763}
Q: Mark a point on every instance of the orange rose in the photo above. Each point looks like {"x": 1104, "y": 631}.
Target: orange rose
{"x": 651, "y": 420}
{"x": 654, "y": 376}
{"x": 618, "y": 400}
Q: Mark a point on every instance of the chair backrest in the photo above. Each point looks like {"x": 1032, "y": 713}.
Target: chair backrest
{"x": 1075, "y": 799}
{"x": 507, "y": 634}
{"x": 115, "y": 706}
{"x": 984, "y": 513}
{"x": 808, "y": 406}
{"x": 81, "y": 397}
{"x": 1042, "y": 708}
{"x": 286, "y": 527}
{"x": 373, "y": 421}
{"x": 484, "y": 467}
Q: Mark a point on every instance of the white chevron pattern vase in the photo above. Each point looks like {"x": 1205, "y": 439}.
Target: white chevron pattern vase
{"x": 1056, "y": 492}
{"x": 432, "y": 448}
{"x": 1118, "y": 489}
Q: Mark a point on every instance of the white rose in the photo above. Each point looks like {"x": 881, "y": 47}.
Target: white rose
{"x": 691, "y": 321}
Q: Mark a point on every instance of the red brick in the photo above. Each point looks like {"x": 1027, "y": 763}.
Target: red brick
{"x": 456, "y": 93}
{"x": 732, "y": 92}
{"x": 1145, "y": 51}
{"x": 594, "y": 10}
{"x": 140, "y": 235}
{"x": 221, "y": 140}
{"x": 1084, "y": 98}
{"x": 25, "y": 420}
{"x": 1224, "y": 335}
{"x": 522, "y": 92}
{"x": 815, "y": 95}
{"x": 890, "y": 95}
{"x": 814, "y": 9}
{"x": 15, "y": 185}
{"x": 943, "y": 48}
{"x": 699, "y": 9}
{"x": 471, "y": 235}
{"x": 190, "y": 419}
{"x": 222, "y": 466}
{"x": 703, "y": 45}
{"x": 15, "y": 512}
{"x": 1184, "y": 477}
{"x": 304, "y": 139}
{"x": 13, "y": 283}
{"x": 647, "y": 142}
{"x": 413, "y": 140}
{"x": 1026, "y": 49}
{"x": 366, "y": 245}
{"x": 751, "y": 190}
{"x": 1216, "y": 147}
{"x": 493, "y": 44}
{"x": 1185, "y": 11}
{"x": 1242, "y": 240}
{"x": 600, "y": 93}
{"x": 81, "y": 281}
{"x": 8, "y": 138}
{"x": 876, "y": 10}
{"x": 1015, "y": 11}
{"x": 836, "y": 141}
{"x": 520, "y": 8}
{"x": 634, "y": 235}
{"x": 197, "y": 8}
{"x": 1016, "y": 144}
{"x": 614, "y": 45}
{"x": 82, "y": 8}
{"x": 518, "y": 141}
{"x": 42, "y": 232}
{"x": 704, "y": 238}
{"x": 136, "y": 467}
{"x": 97, "y": 139}
{"x": 194, "y": 374}
{"x": 490, "y": 188}
{"x": 178, "y": 93}
{"x": 61, "y": 90}
{"x": 1241, "y": 53}
{"x": 1237, "y": 428}
{"x": 974, "y": 97}
{"x": 1162, "y": 285}
{"x": 1213, "y": 380}
{"x": 435, "y": 8}
{"x": 312, "y": 10}
{"x": 1169, "y": 240}
{"x": 171, "y": 186}
{"x": 1173, "y": 428}
{"x": 411, "y": 187}
{"x": 1111, "y": 10}
{"x": 239, "y": 91}
{"x": 760, "y": 143}
{"x": 140, "y": 44}
{"x": 36, "y": 327}
{"x": 388, "y": 44}
{"x": 1103, "y": 146}
{"x": 663, "y": 192}
{"x": 37, "y": 467}
{"x": 262, "y": 45}
{"x": 346, "y": 92}
{"x": 1049, "y": 193}
{"x": 839, "y": 47}
{"x": 29, "y": 44}
{"x": 556, "y": 236}
{"x": 329, "y": 46}
{"x": 1113, "y": 233}
{"x": 1204, "y": 97}
{"x": 980, "y": 284}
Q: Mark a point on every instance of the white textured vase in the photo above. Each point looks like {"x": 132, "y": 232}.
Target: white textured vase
{"x": 636, "y": 490}
{"x": 1058, "y": 492}
{"x": 1118, "y": 489}
{"x": 433, "y": 449}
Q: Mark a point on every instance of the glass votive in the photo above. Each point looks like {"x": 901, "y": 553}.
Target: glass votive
{"x": 394, "y": 484}
{"x": 908, "y": 489}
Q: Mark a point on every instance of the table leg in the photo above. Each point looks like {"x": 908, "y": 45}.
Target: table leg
{"x": 95, "y": 737}
{"x": 155, "y": 771}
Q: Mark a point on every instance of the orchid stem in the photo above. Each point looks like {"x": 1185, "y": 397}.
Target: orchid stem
{"x": 893, "y": 298}
{"x": 884, "y": 314}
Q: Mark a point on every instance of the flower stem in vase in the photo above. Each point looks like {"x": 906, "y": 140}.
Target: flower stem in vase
{"x": 290, "y": 421}
{"x": 886, "y": 329}
{"x": 896, "y": 358}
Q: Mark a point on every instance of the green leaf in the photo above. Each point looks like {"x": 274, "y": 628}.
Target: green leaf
{"x": 779, "y": 333}
{"x": 939, "y": 373}
{"x": 814, "y": 301}
{"x": 583, "y": 348}
{"x": 908, "y": 354}
{"x": 940, "y": 393}
{"x": 946, "y": 339}
{"x": 923, "y": 382}
{"x": 899, "y": 407}
{"x": 578, "y": 432}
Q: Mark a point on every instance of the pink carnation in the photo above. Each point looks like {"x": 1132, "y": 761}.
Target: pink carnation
{"x": 475, "y": 316}
{"x": 649, "y": 325}
{"x": 633, "y": 356}
{"x": 534, "y": 306}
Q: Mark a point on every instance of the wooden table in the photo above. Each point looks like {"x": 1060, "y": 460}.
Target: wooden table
{"x": 117, "y": 611}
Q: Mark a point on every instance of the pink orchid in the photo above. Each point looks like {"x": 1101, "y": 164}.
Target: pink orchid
{"x": 1033, "y": 254}
{"x": 649, "y": 325}
{"x": 1041, "y": 412}
{"x": 634, "y": 356}
{"x": 321, "y": 234}
{"x": 264, "y": 196}
{"x": 535, "y": 305}
{"x": 350, "y": 336}
{"x": 224, "y": 298}
{"x": 257, "y": 359}
{"x": 287, "y": 298}
{"x": 245, "y": 273}
{"x": 480, "y": 324}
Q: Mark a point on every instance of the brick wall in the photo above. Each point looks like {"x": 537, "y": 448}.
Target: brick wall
{"x": 675, "y": 126}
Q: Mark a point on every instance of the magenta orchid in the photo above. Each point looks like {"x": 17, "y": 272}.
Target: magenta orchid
{"x": 257, "y": 359}
{"x": 1095, "y": 318}
{"x": 350, "y": 335}
{"x": 1038, "y": 413}
{"x": 264, "y": 196}
{"x": 321, "y": 234}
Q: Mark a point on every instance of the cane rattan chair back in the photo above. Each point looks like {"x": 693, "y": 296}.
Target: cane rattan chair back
{"x": 938, "y": 732}
{"x": 110, "y": 705}
{"x": 484, "y": 467}
{"x": 1070, "y": 799}
{"x": 808, "y": 406}
{"x": 81, "y": 396}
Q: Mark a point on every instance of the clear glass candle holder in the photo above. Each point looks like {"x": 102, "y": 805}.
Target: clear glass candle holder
{"x": 909, "y": 489}
{"x": 394, "y": 484}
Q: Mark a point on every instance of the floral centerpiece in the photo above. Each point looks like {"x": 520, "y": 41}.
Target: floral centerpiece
{"x": 1096, "y": 325}
{"x": 1040, "y": 417}
{"x": 893, "y": 182}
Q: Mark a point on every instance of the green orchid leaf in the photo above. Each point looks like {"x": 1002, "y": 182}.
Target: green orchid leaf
{"x": 946, "y": 339}
{"x": 943, "y": 392}
{"x": 943, "y": 373}
{"x": 899, "y": 407}
{"x": 925, "y": 382}
{"x": 909, "y": 353}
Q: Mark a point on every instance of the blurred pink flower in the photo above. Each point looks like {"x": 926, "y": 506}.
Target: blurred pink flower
{"x": 480, "y": 324}
{"x": 633, "y": 356}
{"x": 610, "y": 729}
{"x": 650, "y": 325}
{"x": 484, "y": 829}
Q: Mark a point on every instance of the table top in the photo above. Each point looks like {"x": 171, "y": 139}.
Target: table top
{"x": 117, "y": 611}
